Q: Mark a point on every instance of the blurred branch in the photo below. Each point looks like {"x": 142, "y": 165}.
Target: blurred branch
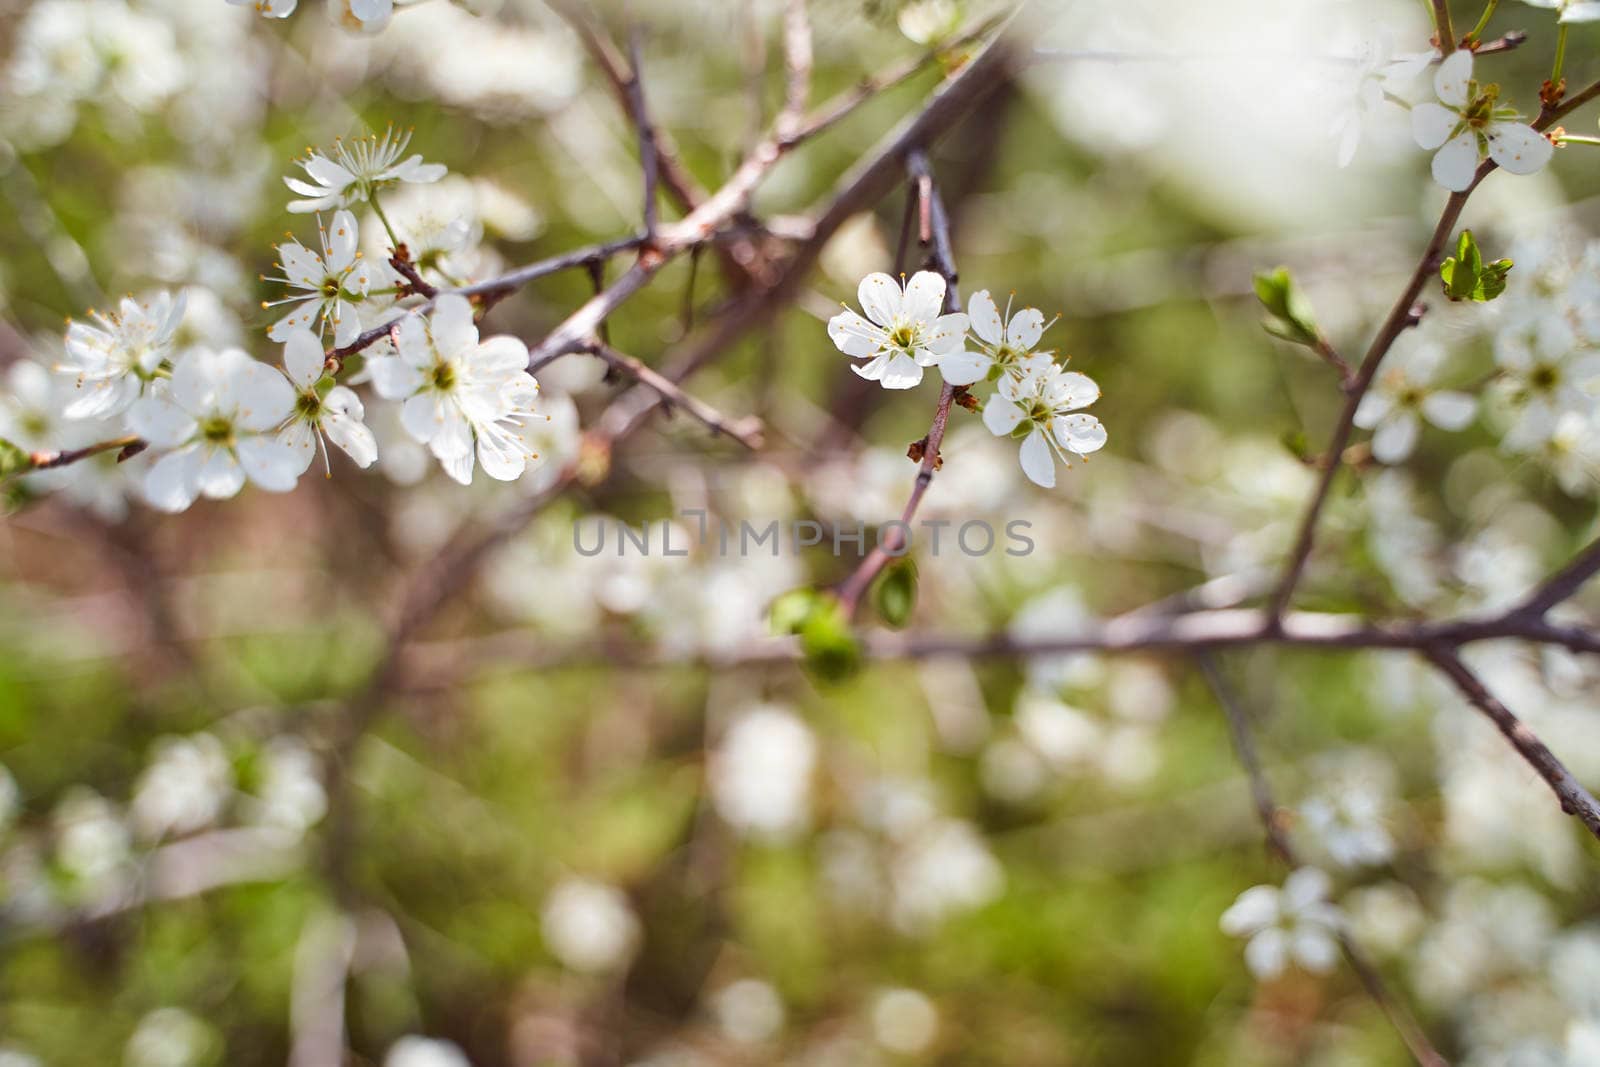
{"x": 748, "y": 431}
{"x": 649, "y": 155}
{"x": 1415, "y": 1040}
{"x": 1564, "y": 584}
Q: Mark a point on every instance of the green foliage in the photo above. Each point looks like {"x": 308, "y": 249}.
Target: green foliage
{"x": 1289, "y": 313}
{"x": 895, "y": 593}
{"x": 827, "y": 640}
{"x": 1467, "y": 277}
{"x": 13, "y": 460}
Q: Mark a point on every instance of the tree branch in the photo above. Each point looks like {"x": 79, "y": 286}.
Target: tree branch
{"x": 1565, "y": 583}
{"x": 748, "y": 431}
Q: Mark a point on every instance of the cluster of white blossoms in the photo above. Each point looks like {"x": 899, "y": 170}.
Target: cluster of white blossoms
{"x": 212, "y": 420}
{"x": 1463, "y": 126}
{"x": 905, "y": 329}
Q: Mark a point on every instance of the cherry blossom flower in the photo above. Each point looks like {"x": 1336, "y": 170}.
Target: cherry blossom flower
{"x": 1292, "y": 924}
{"x": 115, "y": 361}
{"x": 319, "y": 417}
{"x": 1465, "y": 125}
{"x": 330, "y": 285}
{"x": 461, "y": 395}
{"x": 214, "y": 422}
{"x": 359, "y": 168}
{"x": 368, "y": 16}
{"x": 589, "y": 926}
{"x": 1570, "y": 10}
{"x": 1038, "y": 408}
{"x": 903, "y": 331}
{"x": 1004, "y": 348}
{"x": 927, "y": 22}
{"x": 1402, "y": 396}
{"x": 1547, "y": 371}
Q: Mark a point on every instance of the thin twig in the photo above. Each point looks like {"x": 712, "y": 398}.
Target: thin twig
{"x": 649, "y": 155}
{"x": 748, "y": 431}
{"x": 1441, "y": 21}
{"x": 1565, "y": 583}
{"x": 43, "y": 461}
{"x": 1574, "y": 798}
{"x": 1410, "y": 1033}
{"x": 797, "y": 63}
{"x": 408, "y": 270}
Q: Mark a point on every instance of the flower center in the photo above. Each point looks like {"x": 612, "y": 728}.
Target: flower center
{"x": 308, "y": 405}
{"x": 903, "y": 336}
{"x": 1544, "y": 377}
{"x": 217, "y": 430}
{"x": 443, "y": 376}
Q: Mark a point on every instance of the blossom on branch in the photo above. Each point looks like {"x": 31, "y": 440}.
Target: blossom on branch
{"x": 214, "y": 422}
{"x": 116, "y": 360}
{"x": 1402, "y": 396}
{"x": 904, "y": 329}
{"x": 357, "y": 169}
{"x": 320, "y": 417}
{"x": 461, "y": 396}
{"x": 1038, "y": 408}
{"x": 1004, "y": 348}
{"x": 1466, "y": 125}
{"x": 330, "y": 285}
{"x": 1292, "y": 924}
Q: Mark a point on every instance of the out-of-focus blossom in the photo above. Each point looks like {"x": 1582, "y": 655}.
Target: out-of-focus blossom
{"x": 1378, "y": 70}
{"x": 748, "y": 1011}
{"x": 589, "y": 926}
{"x": 1403, "y": 396}
{"x": 761, "y": 772}
{"x": 904, "y": 1021}
{"x": 1292, "y": 924}
{"x": 115, "y": 362}
{"x": 1547, "y": 371}
{"x": 183, "y": 789}
{"x": 415, "y": 1051}
{"x": 171, "y": 1037}
{"x": 943, "y": 869}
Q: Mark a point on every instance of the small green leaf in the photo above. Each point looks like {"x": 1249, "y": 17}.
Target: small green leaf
{"x": 1467, "y": 277}
{"x": 13, "y": 460}
{"x": 830, "y": 646}
{"x": 1289, "y": 313}
{"x": 895, "y": 594}
{"x": 789, "y": 612}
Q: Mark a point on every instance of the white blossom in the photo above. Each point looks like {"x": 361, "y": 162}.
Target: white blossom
{"x": 748, "y": 1011}
{"x": 1005, "y": 348}
{"x": 904, "y": 1021}
{"x": 116, "y": 361}
{"x": 461, "y": 395}
{"x": 1547, "y": 371}
{"x": 214, "y": 424}
{"x": 415, "y": 1051}
{"x": 358, "y": 168}
{"x": 927, "y": 22}
{"x": 904, "y": 329}
{"x": 1404, "y": 395}
{"x": 1292, "y": 924}
{"x": 272, "y": 9}
{"x": 329, "y": 286}
{"x": 170, "y": 1037}
{"x": 1466, "y": 125}
{"x": 761, "y": 772}
{"x": 1039, "y": 408}
{"x": 589, "y": 926}
{"x": 1378, "y": 69}
{"x": 183, "y": 788}
{"x": 1570, "y": 10}
{"x": 319, "y": 417}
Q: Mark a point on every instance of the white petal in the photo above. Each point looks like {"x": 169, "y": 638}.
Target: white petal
{"x": 1451, "y": 80}
{"x": 451, "y": 325}
{"x": 498, "y": 358}
{"x": 195, "y": 379}
{"x": 300, "y": 439}
{"x": 273, "y": 466}
{"x": 1456, "y": 163}
{"x": 985, "y": 317}
{"x": 170, "y": 484}
{"x": 1304, "y": 887}
{"x": 220, "y": 477}
{"x": 1396, "y": 437}
{"x": 1069, "y": 391}
{"x": 1267, "y": 953}
{"x": 1001, "y": 415}
{"x": 947, "y": 334}
{"x": 924, "y": 299}
{"x": 880, "y": 298}
{"x": 423, "y": 415}
{"x": 1315, "y": 949}
{"x": 1519, "y": 148}
{"x": 1432, "y": 125}
{"x": 900, "y": 371}
{"x": 1025, "y": 329}
{"x": 394, "y": 378}
{"x": 1082, "y": 434}
{"x": 964, "y": 368}
{"x": 854, "y": 335}
{"x": 265, "y": 397}
{"x": 1038, "y": 462}
{"x": 326, "y": 173}
{"x": 303, "y": 358}
{"x": 1450, "y": 411}
{"x": 353, "y": 437}
{"x": 346, "y": 324}
{"x": 1255, "y": 908}
{"x": 160, "y": 422}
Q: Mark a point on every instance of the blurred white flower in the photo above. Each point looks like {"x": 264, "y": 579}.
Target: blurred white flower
{"x": 942, "y": 869}
{"x": 1349, "y": 822}
{"x": 91, "y": 843}
{"x": 904, "y": 330}
{"x": 1570, "y": 10}
{"x": 1039, "y": 408}
{"x": 272, "y": 9}
{"x": 927, "y": 22}
{"x": 1573, "y": 453}
{"x": 289, "y": 791}
{"x": 116, "y": 361}
{"x": 1378, "y": 69}
{"x": 1466, "y": 125}
{"x": 1005, "y": 348}
{"x": 214, "y": 424}
{"x": 170, "y": 1037}
{"x": 414, "y": 1051}
{"x": 359, "y": 168}
{"x": 461, "y": 396}
{"x": 183, "y": 789}
{"x": 11, "y": 1057}
{"x": 1547, "y": 371}
{"x": 1402, "y": 396}
{"x": 1295, "y": 923}
{"x": 318, "y": 416}
{"x": 331, "y": 287}
{"x": 904, "y": 1021}
{"x": 761, "y": 773}
{"x": 748, "y": 1011}
{"x": 589, "y": 926}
